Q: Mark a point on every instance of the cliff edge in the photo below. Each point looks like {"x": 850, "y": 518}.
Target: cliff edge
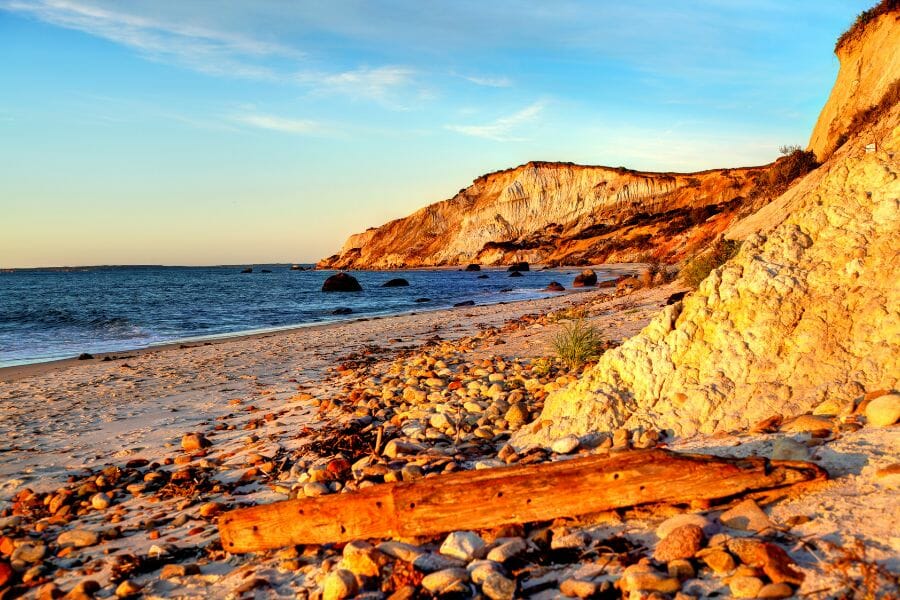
{"x": 869, "y": 53}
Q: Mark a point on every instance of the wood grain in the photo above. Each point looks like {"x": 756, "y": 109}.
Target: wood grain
{"x": 493, "y": 497}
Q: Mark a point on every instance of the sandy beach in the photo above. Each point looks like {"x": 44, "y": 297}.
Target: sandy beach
{"x": 258, "y": 402}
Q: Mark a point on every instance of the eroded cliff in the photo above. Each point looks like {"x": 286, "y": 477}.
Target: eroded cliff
{"x": 806, "y": 315}
{"x": 562, "y": 213}
{"x": 869, "y": 55}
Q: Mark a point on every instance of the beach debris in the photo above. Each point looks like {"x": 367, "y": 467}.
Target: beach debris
{"x": 517, "y": 494}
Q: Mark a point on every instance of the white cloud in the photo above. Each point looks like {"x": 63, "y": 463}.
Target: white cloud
{"x": 282, "y": 124}
{"x": 501, "y": 130}
{"x": 499, "y": 82}
{"x": 381, "y": 84}
{"x": 199, "y": 48}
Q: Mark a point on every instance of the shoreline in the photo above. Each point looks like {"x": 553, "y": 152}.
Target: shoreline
{"x": 11, "y": 373}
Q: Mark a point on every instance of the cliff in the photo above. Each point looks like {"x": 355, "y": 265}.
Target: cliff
{"x": 806, "y": 317}
{"x": 561, "y": 213}
{"x": 869, "y": 54}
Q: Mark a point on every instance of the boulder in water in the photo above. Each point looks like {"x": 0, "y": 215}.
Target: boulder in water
{"x": 341, "y": 282}
{"x": 586, "y": 278}
{"x": 555, "y": 286}
{"x": 473, "y": 267}
{"x": 398, "y": 282}
{"x": 515, "y": 274}
{"x": 466, "y": 303}
{"x": 519, "y": 266}
{"x": 247, "y": 270}
{"x": 482, "y": 277}
{"x": 420, "y": 300}
{"x": 342, "y": 311}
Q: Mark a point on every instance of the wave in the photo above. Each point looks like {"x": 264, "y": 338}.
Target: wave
{"x": 60, "y": 318}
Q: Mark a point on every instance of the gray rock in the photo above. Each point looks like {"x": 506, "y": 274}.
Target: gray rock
{"x": 464, "y": 545}
{"x": 508, "y": 550}
{"x": 339, "y": 584}
{"x": 431, "y": 562}
{"x": 480, "y": 569}
{"x": 746, "y": 516}
{"x": 498, "y": 587}
{"x": 29, "y": 553}
{"x": 673, "y": 523}
{"x": 788, "y": 449}
{"x": 79, "y": 538}
{"x": 447, "y": 581}
{"x": 565, "y": 445}
{"x": 401, "y": 550}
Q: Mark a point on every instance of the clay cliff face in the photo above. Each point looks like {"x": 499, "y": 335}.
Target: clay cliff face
{"x": 560, "y": 213}
{"x": 805, "y": 318}
{"x": 870, "y": 65}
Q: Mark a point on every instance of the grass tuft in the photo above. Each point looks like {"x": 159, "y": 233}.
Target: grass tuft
{"x": 702, "y": 265}
{"x": 578, "y": 343}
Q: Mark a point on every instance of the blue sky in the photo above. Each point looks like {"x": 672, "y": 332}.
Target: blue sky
{"x": 210, "y": 132}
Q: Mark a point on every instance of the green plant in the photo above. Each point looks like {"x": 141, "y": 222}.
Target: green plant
{"x": 699, "y": 267}
{"x": 863, "y": 18}
{"x": 795, "y": 163}
{"x": 577, "y": 343}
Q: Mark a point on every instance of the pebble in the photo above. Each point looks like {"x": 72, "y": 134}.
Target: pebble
{"x": 718, "y": 560}
{"x": 446, "y": 581}
{"x": 565, "y": 445}
{"x": 746, "y": 516}
{"x": 339, "y": 584}
{"x": 745, "y": 587}
{"x": 579, "y": 589}
{"x": 517, "y": 415}
{"x": 499, "y": 587}
{"x": 80, "y": 538}
{"x": 788, "y": 449}
{"x": 576, "y": 539}
{"x": 508, "y": 550}
{"x": 642, "y": 577}
{"x": 362, "y": 559}
{"x": 480, "y": 569}
{"x": 682, "y": 542}
{"x": 315, "y": 488}
{"x": 775, "y": 590}
{"x": 174, "y": 570}
{"x": 403, "y": 551}
{"x": 884, "y": 410}
{"x": 431, "y": 562}
{"x": 672, "y": 523}
{"x": 29, "y": 553}
{"x": 464, "y": 545}
{"x": 128, "y": 588}
{"x": 6, "y": 573}
{"x": 681, "y": 569}
{"x": 807, "y": 423}
{"x": 194, "y": 441}
{"x": 210, "y": 509}
{"x": 100, "y": 501}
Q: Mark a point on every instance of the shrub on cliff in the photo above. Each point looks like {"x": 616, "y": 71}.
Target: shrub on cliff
{"x": 863, "y": 18}
{"x": 699, "y": 267}
{"x": 578, "y": 343}
{"x": 794, "y": 163}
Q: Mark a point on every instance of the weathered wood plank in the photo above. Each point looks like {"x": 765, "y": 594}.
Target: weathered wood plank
{"x": 493, "y": 497}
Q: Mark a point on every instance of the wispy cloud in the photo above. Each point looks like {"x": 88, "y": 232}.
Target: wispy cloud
{"x": 498, "y": 82}
{"x": 381, "y": 84}
{"x": 199, "y": 48}
{"x": 281, "y": 124}
{"x": 503, "y": 129}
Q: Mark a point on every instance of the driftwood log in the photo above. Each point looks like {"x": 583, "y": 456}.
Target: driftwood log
{"x": 502, "y": 496}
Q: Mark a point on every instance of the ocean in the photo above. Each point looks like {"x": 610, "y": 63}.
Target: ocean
{"x": 49, "y": 314}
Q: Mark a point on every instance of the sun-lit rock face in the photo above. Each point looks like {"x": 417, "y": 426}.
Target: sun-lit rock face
{"x": 808, "y": 311}
{"x": 870, "y": 64}
{"x": 559, "y": 213}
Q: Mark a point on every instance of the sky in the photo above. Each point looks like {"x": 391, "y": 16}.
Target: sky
{"x": 225, "y": 132}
